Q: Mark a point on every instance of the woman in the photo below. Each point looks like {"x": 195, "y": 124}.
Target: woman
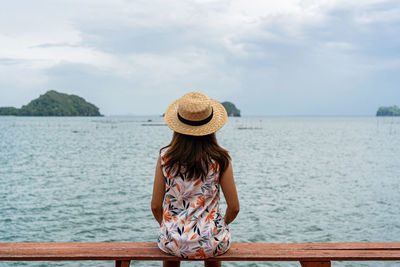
{"x": 189, "y": 174}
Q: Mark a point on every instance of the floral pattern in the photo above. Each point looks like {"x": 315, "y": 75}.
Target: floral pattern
{"x": 192, "y": 225}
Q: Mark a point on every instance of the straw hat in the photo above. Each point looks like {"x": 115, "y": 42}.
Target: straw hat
{"x": 195, "y": 114}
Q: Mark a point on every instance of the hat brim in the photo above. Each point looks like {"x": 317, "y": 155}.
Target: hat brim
{"x": 218, "y": 120}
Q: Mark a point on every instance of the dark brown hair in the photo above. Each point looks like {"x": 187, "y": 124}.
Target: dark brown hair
{"x": 195, "y": 154}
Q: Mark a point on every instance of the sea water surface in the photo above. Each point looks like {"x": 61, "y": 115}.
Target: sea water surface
{"x": 299, "y": 179}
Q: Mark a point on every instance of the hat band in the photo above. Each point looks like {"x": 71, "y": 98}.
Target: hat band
{"x": 196, "y": 123}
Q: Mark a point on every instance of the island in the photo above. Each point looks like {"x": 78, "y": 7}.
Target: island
{"x": 231, "y": 109}
{"x": 388, "y": 111}
{"x": 53, "y": 103}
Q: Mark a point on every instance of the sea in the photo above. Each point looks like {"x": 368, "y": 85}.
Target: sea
{"x": 299, "y": 179}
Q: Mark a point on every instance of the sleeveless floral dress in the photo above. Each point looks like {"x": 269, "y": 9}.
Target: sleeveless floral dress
{"x": 192, "y": 225}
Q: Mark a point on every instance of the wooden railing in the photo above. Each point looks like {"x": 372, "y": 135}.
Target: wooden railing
{"x": 308, "y": 254}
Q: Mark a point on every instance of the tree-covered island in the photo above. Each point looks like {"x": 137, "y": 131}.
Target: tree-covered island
{"x": 231, "y": 109}
{"x": 388, "y": 111}
{"x": 53, "y": 103}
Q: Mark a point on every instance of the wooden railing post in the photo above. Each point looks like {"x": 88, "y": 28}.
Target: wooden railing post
{"x": 122, "y": 263}
{"x": 315, "y": 264}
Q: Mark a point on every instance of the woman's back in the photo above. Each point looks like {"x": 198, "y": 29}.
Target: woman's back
{"x": 189, "y": 174}
{"x": 192, "y": 226}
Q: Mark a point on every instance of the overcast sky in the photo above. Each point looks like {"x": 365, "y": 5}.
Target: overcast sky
{"x": 286, "y": 57}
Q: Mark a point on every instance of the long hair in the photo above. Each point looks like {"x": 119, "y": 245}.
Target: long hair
{"x": 194, "y": 155}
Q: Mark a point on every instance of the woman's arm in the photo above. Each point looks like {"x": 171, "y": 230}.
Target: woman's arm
{"x": 229, "y": 189}
{"x": 158, "y": 193}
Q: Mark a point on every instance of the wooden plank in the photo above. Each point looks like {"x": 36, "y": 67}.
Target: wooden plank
{"x": 340, "y": 246}
{"x": 314, "y": 251}
{"x": 237, "y": 252}
{"x": 310, "y": 255}
{"x": 347, "y": 246}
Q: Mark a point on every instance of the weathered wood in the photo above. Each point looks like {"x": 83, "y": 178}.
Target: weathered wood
{"x": 305, "y": 252}
{"x": 315, "y": 246}
{"x": 315, "y": 264}
{"x": 122, "y": 263}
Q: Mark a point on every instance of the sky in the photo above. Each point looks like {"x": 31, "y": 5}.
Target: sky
{"x": 270, "y": 58}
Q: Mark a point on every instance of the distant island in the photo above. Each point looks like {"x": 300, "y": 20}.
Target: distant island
{"x": 231, "y": 109}
{"x": 53, "y": 103}
{"x": 388, "y": 111}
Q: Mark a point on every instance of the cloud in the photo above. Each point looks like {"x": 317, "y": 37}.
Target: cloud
{"x": 290, "y": 54}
